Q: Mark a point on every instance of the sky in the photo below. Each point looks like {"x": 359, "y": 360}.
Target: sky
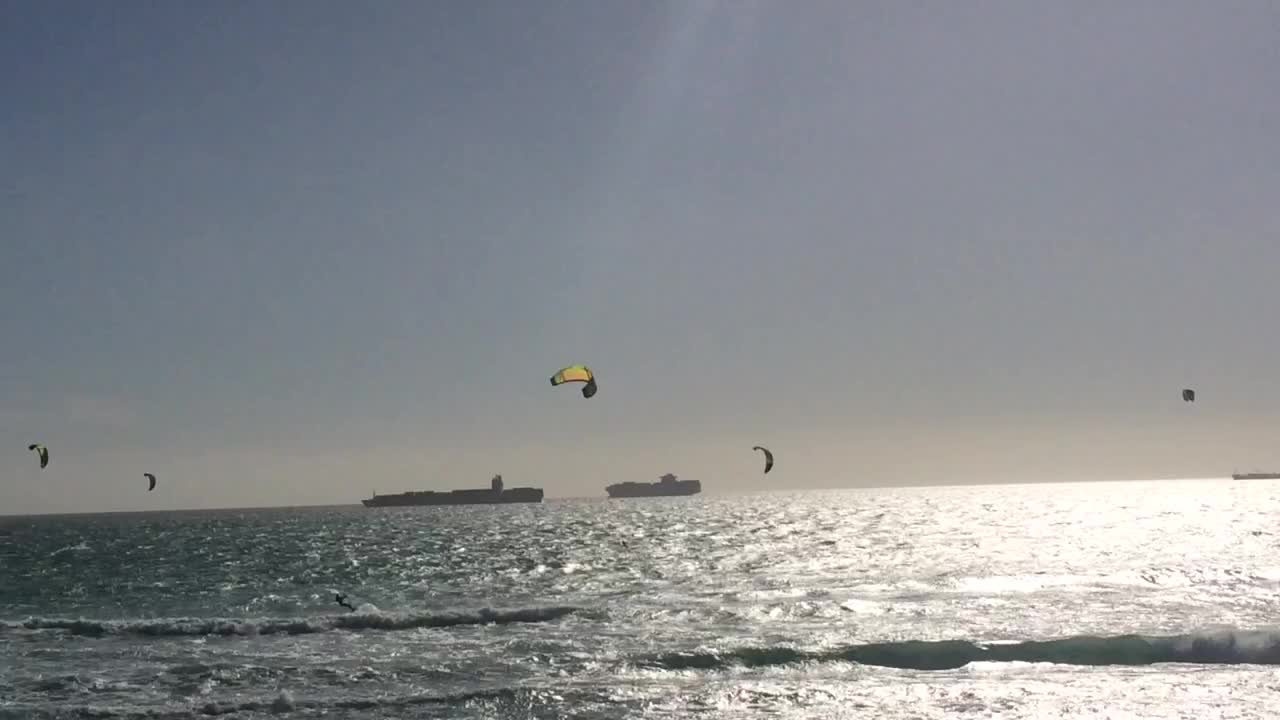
{"x": 288, "y": 253}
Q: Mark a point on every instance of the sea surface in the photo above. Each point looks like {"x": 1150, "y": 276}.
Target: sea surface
{"x": 1109, "y": 600}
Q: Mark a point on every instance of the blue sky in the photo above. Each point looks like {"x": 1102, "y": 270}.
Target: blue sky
{"x": 286, "y": 252}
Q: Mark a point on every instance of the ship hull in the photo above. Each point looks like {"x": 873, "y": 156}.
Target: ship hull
{"x": 1256, "y": 476}
{"x": 457, "y": 497}
{"x": 679, "y": 488}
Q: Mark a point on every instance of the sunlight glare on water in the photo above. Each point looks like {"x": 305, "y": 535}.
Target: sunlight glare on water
{"x": 917, "y": 602}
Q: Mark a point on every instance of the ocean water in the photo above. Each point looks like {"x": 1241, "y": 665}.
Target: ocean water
{"x": 1117, "y": 600}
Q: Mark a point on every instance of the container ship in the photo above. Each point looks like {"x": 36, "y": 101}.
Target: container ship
{"x": 493, "y": 495}
{"x": 666, "y": 486}
{"x": 1255, "y": 476}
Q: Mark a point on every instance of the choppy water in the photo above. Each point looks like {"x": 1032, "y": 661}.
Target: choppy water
{"x": 1110, "y": 600}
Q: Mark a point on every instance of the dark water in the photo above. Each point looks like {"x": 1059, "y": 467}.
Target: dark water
{"x": 1134, "y": 599}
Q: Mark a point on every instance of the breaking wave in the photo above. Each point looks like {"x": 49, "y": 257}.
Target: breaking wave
{"x": 177, "y": 627}
{"x": 1215, "y": 648}
{"x": 500, "y": 699}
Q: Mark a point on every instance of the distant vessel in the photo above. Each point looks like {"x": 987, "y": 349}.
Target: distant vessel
{"x": 1255, "y": 476}
{"x": 493, "y": 495}
{"x": 667, "y": 485}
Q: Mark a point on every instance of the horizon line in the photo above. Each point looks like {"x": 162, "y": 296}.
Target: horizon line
{"x": 753, "y": 491}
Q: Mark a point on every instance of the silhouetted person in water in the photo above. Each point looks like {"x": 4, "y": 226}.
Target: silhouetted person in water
{"x": 342, "y": 600}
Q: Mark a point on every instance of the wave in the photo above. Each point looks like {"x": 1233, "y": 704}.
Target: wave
{"x": 178, "y": 627}
{"x": 1225, "y": 647}
{"x": 83, "y": 546}
{"x": 498, "y": 699}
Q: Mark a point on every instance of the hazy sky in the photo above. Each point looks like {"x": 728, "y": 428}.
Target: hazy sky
{"x": 289, "y": 252}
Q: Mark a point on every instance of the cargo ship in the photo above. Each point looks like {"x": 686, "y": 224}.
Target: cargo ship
{"x": 667, "y": 485}
{"x": 493, "y": 495}
{"x": 1255, "y": 476}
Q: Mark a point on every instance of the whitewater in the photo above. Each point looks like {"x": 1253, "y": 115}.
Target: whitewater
{"x": 1120, "y": 600}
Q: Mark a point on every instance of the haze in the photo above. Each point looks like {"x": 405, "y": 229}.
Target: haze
{"x": 290, "y": 252}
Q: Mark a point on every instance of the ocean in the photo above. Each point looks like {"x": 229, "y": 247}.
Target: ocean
{"x": 1108, "y": 600}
